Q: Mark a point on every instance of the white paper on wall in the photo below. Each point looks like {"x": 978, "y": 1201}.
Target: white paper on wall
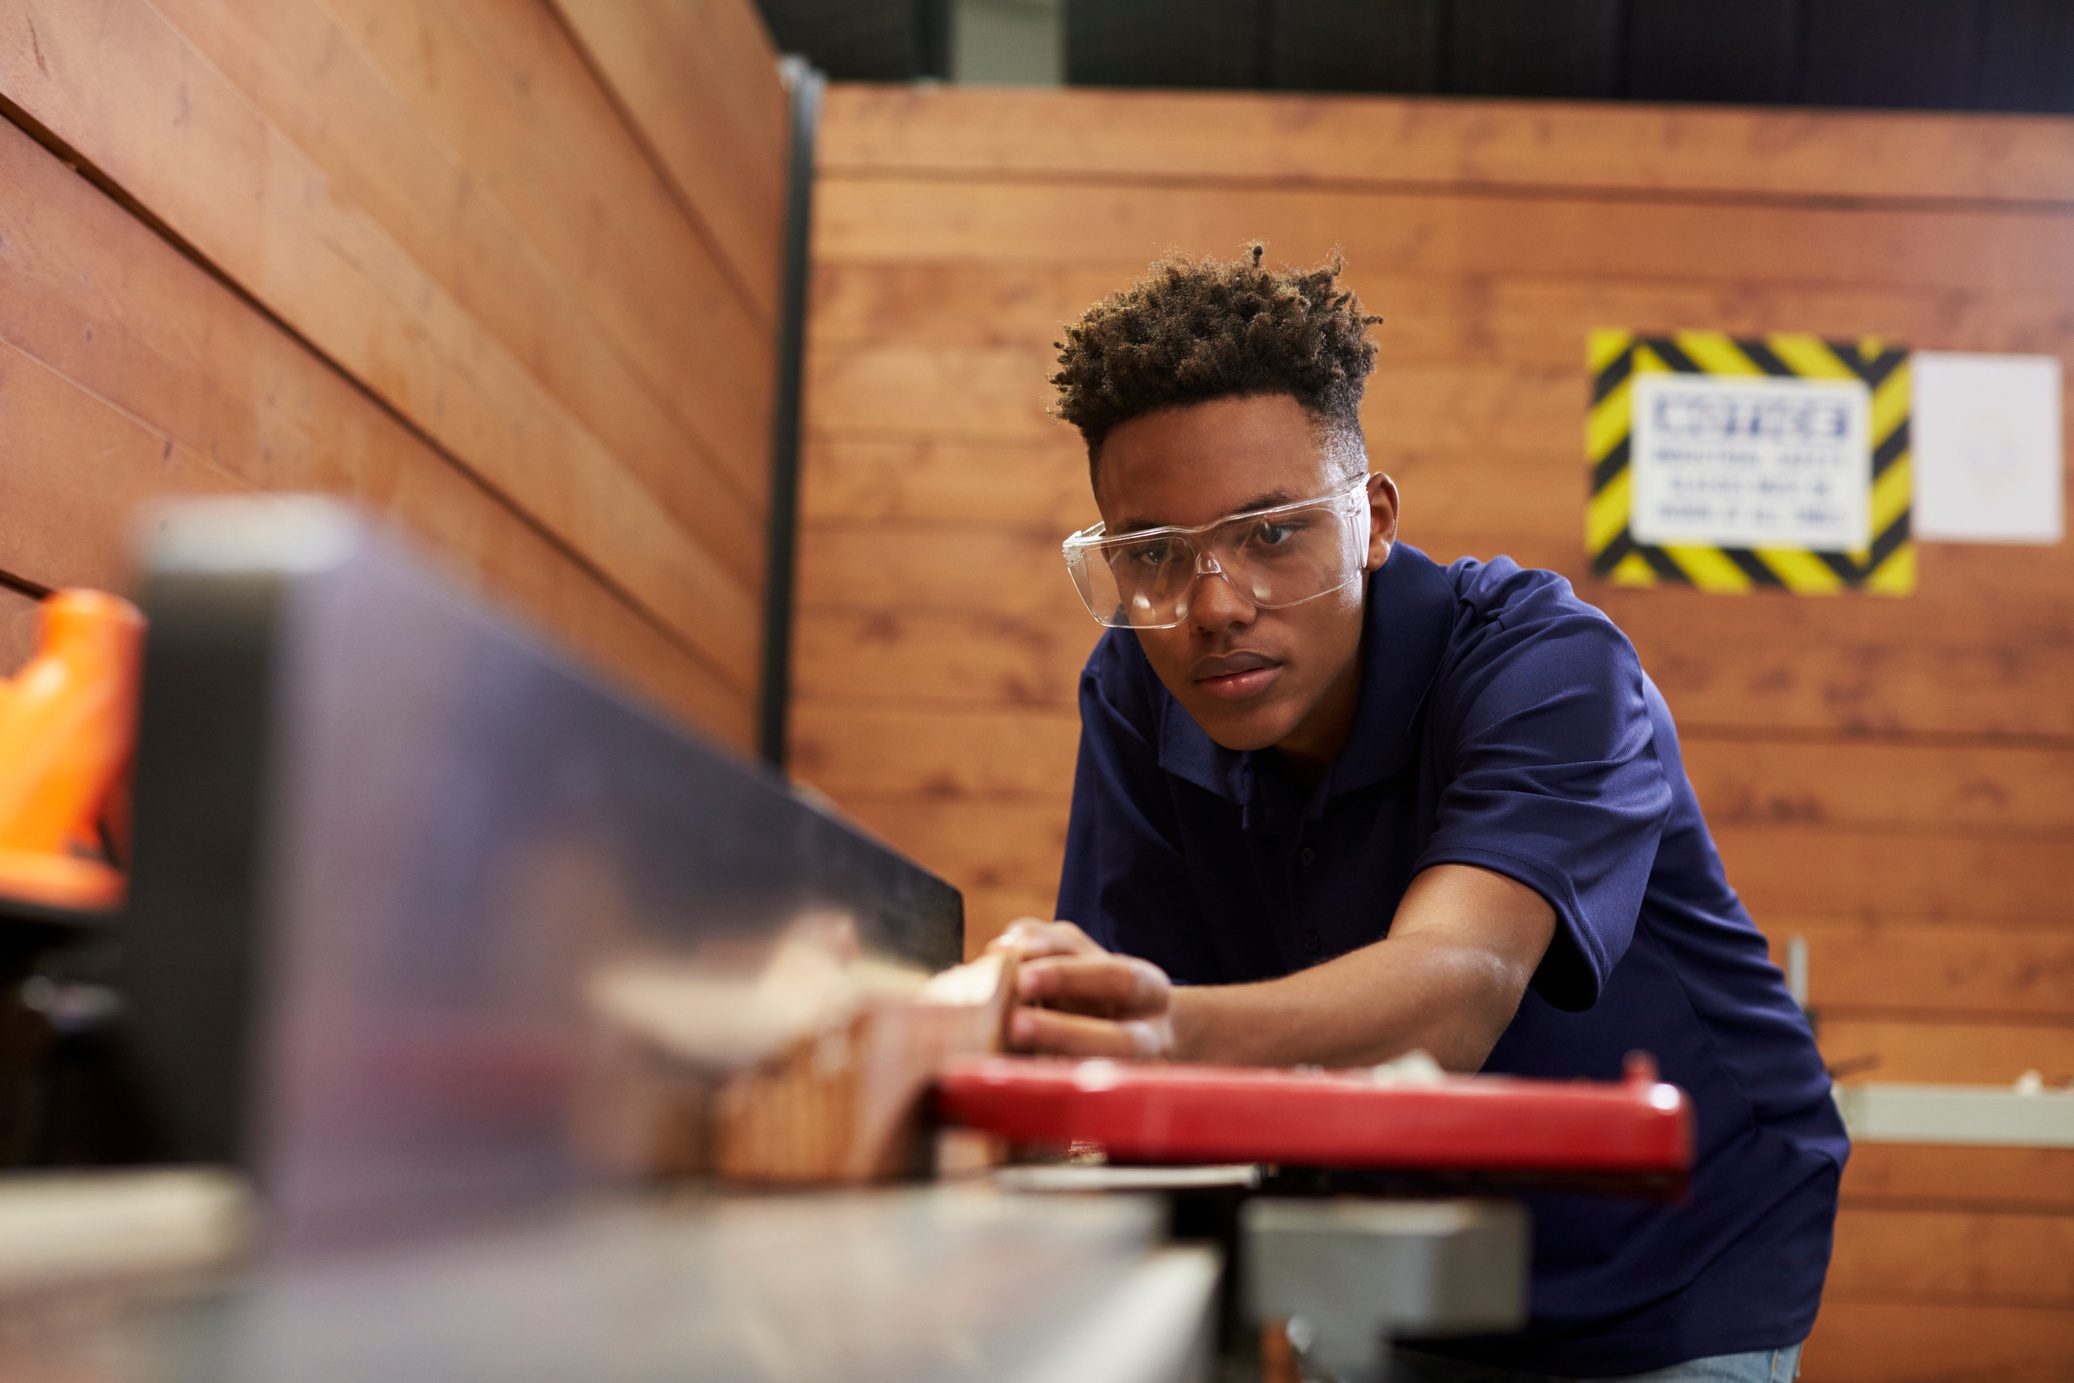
{"x": 1751, "y": 461}
{"x": 1985, "y": 441}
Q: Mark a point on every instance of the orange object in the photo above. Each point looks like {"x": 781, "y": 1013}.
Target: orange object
{"x": 68, "y": 726}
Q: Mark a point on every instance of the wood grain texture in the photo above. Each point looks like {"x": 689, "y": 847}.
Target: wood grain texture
{"x": 535, "y": 138}
{"x": 1962, "y": 966}
{"x": 171, "y": 383}
{"x": 994, "y": 845}
{"x": 985, "y": 133}
{"x": 79, "y": 463}
{"x": 1865, "y": 782}
{"x": 17, "y": 631}
{"x": 1927, "y": 1047}
{"x": 1929, "y": 1342}
{"x": 305, "y": 70}
{"x": 1929, "y": 1176}
{"x": 848, "y": 481}
{"x": 1122, "y": 228}
{"x": 845, "y": 749}
{"x": 698, "y": 79}
{"x": 117, "y": 82}
{"x": 1894, "y": 874}
{"x": 1981, "y": 1258}
{"x": 921, "y": 658}
{"x": 1485, "y": 312}
{"x": 988, "y": 911}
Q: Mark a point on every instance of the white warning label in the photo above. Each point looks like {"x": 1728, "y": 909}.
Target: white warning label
{"x": 1734, "y": 461}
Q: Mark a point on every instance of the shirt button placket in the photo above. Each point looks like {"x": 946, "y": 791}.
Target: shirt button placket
{"x": 1312, "y": 942}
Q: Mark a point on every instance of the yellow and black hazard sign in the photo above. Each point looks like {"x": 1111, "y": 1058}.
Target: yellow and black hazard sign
{"x": 1735, "y": 464}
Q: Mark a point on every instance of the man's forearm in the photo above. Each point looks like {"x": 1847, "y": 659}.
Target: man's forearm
{"x": 1420, "y": 991}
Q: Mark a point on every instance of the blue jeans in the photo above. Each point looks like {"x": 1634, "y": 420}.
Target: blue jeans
{"x": 1758, "y": 1366}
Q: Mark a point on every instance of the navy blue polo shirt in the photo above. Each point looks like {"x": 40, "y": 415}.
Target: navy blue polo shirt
{"x": 1503, "y": 723}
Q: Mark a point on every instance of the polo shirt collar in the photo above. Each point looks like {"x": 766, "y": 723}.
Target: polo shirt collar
{"x": 1408, "y": 613}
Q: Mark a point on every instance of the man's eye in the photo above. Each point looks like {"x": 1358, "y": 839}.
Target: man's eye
{"x": 1274, "y": 534}
{"x": 1153, "y": 554}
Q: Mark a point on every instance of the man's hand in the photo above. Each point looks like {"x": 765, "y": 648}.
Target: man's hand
{"x": 1447, "y": 979}
{"x": 1076, "y": 999}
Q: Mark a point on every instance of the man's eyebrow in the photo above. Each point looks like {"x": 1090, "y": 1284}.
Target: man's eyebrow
{"x": 1270, "y": 500}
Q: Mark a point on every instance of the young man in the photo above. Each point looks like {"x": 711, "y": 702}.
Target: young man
{"x": 1335, "y": 802}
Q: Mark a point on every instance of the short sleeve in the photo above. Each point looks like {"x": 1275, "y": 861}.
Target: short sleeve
{"x": 1125, "y": 881}
{"x": 1552, "y": 778}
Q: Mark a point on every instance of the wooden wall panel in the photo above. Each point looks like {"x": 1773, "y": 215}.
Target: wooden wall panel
{"x": 1891, "y": 779}
{"x": 695, "y": 80}
{"x": 1459, "y": 145}
{"x": 443, "y": 206}
{"x": 1907, "y": 1176}
{"x": 160, "y": 381}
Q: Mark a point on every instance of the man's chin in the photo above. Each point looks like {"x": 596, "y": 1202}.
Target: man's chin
{"x": 1258, "y": 727}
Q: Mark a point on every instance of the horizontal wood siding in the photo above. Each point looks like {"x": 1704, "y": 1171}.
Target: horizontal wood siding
{"x": 483, "y": 301}
{"x": 1892, "y": 780}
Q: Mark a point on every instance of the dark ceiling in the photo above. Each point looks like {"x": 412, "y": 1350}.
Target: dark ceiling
{"x": 2010, "y": 55}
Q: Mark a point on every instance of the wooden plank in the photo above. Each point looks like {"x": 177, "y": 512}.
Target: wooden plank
{"x": 984, "y": 845}
{"x": 1123, "y": 227}
{"x": 1895, "y": 874}
{"x": 1042, "y": 489}
{"x": 1962, "y": 1053}
{"x": 699, "y": 80}
{"x": 2009, "y": 1179}
{"x": 301, "y": 67}
{"x": 968, "y": 393}
{"x": 988, "y": 911}
{"x": 1747, "y": 781}
{"x": 1923, "y": 1342}
{"x": 1811, "y": 676}
{"x": 1842, "y": 671}
{"x": 17, "y": 630}
{"x": 1300, "y": 140}
{"x": 72, "y": 470}
{"x": 92, "y": 293}
{"x": 926, "y": 658}
{"x": 1485, "y": 312}
{"x": 1984, "y": 1258}
{"x": 934, "y": 754}
{"x": 999, "y": 393}
{"x": 116, "y": 82}
{"x": 535, "y": 144}
{"x": 952, "y": 302}
{"x": 1970, "y": 967}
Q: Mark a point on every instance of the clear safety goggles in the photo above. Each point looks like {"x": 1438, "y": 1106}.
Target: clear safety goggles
{"x": 1273, "y": 558}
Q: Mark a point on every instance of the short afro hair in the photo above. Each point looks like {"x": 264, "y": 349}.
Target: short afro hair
{"x": 1198, "y": 329}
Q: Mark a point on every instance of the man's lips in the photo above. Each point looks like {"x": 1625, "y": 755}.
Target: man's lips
{"x": 1234, "y": 676}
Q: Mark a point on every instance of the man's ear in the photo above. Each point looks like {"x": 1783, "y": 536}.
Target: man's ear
{"x": 1382, "y": 519}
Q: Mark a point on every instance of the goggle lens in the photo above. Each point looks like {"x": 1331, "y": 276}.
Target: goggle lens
{"x": 1273, "y": 559}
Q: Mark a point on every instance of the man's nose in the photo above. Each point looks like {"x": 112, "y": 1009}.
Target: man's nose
{"x": 1214, "y": 603}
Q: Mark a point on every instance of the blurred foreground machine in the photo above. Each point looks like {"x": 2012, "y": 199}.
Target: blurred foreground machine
{"x": 480, "y": 1010}
{"x": 67, "y": 732}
